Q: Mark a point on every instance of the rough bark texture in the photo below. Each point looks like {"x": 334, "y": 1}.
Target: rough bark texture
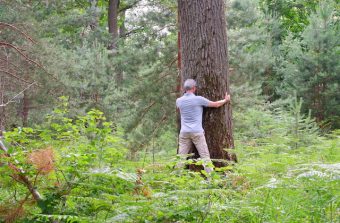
{"x": 204, "y": 58}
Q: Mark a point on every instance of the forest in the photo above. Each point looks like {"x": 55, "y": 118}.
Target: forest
{"x": 89, "y": 130}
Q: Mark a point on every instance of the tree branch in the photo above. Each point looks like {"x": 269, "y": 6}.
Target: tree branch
{"x": 11, "y": 100}
{"x": 20, "y": 176}
{"x": 14, "y": 65}
{"x": 13, "y": 75}
{"x": 21, "y": 53}
{"x": 131, "y": 32}
{"x": 8, "y": 45}
{"x": 16, "y": 29}
{"x": 128, "y": 6}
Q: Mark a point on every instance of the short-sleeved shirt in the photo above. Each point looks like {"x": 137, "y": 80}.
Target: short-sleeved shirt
{"x": 191, "y": 109}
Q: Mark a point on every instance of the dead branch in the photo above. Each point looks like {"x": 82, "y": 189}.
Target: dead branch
{"x": 8, "y": 45}
{"x": 15, "y": 76}
{"x": 128, "y": 6}
{"x": 143, "y": 113}
{"x": 11, "y": 100}
{"x": 133, "y": 31}
{"x": 158, "y": 125}
{"x": 16, "y": 29}
{"x": 14, "y": 65}
{"x": 147, "y": 109}
{"x": 20, "y": 175}
{"x": 172, "y": 62}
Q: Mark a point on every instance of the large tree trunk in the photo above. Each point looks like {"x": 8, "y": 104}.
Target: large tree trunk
{"x": 204, "y": 58}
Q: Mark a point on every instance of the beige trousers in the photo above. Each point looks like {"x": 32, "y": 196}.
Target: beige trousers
{"x": 186, "y": 140}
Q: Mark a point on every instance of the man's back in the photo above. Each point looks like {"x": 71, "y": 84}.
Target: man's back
{"x": 191, "y": 109}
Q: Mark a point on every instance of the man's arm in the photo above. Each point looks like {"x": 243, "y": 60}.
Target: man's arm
{"x": 216, "y": 104}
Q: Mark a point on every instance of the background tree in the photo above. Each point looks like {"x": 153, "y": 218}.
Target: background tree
{"x": 292, "y": 14}
{"x": 204, "y": 58}
{"x": 310, "y": 68}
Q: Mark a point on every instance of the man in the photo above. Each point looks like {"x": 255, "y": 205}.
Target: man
{"x": 191, "y": 110}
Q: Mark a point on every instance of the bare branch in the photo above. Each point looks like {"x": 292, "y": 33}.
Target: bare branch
{"x": 20, "y": 176}
{"x": 8, "y": 45}
{"x": 21, "y": 53}
{"x": 128, "y": 6}
{"x": 17, "y": 77}
{"x": 14, "y": 65}
{"x": 132, "y": 32}
{"x": 15, "y": 28}
{"x": 11, "y": 100}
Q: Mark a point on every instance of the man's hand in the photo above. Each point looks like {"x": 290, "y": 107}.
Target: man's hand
{"x": 227, "y": 97}
{"x": 216, "y": 104}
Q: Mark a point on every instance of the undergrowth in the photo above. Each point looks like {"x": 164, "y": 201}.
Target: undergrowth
{"x": 281, "y": 176}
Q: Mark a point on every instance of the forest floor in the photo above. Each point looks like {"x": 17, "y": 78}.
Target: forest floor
{"x": 270, "y": 183}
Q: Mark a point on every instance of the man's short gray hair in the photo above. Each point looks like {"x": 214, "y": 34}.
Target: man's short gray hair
{"x": 189, "y": 84}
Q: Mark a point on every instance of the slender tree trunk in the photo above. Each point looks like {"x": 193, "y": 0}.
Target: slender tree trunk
{"x": 95, "y": 18}
{"x": 179, "y": 80}
{"x": 204, "y": 58}
{"x": 113, "y": 22}
{"x": 2, "y": 108}
{"x": 25, "y": 109}
{"x": 119, "y": 70}
{"x": 122, "y": 28}
{"x": 115, "y": 32}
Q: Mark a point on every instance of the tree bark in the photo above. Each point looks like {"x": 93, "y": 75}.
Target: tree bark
{"x": 116, "y": 32}
{"x": 204, "y": 58}
{"x": 113, "y": 22}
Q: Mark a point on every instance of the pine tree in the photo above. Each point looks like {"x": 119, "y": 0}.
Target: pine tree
{"x": 204, "y": 58}
{"x": 312, "y": 69}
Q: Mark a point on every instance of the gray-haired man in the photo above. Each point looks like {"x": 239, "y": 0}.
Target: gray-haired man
{"x": 191, "y": 110}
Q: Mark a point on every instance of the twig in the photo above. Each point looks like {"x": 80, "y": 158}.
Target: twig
{"x": 162, "y": 120}
{"x": 36, "y": 178}
{"x": 11, "y": 100}
{"x": 172, "y": 62}
{"x": 62, "y": 173}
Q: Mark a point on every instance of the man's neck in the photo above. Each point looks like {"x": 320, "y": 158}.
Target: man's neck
{"x": 190, "y": 92}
